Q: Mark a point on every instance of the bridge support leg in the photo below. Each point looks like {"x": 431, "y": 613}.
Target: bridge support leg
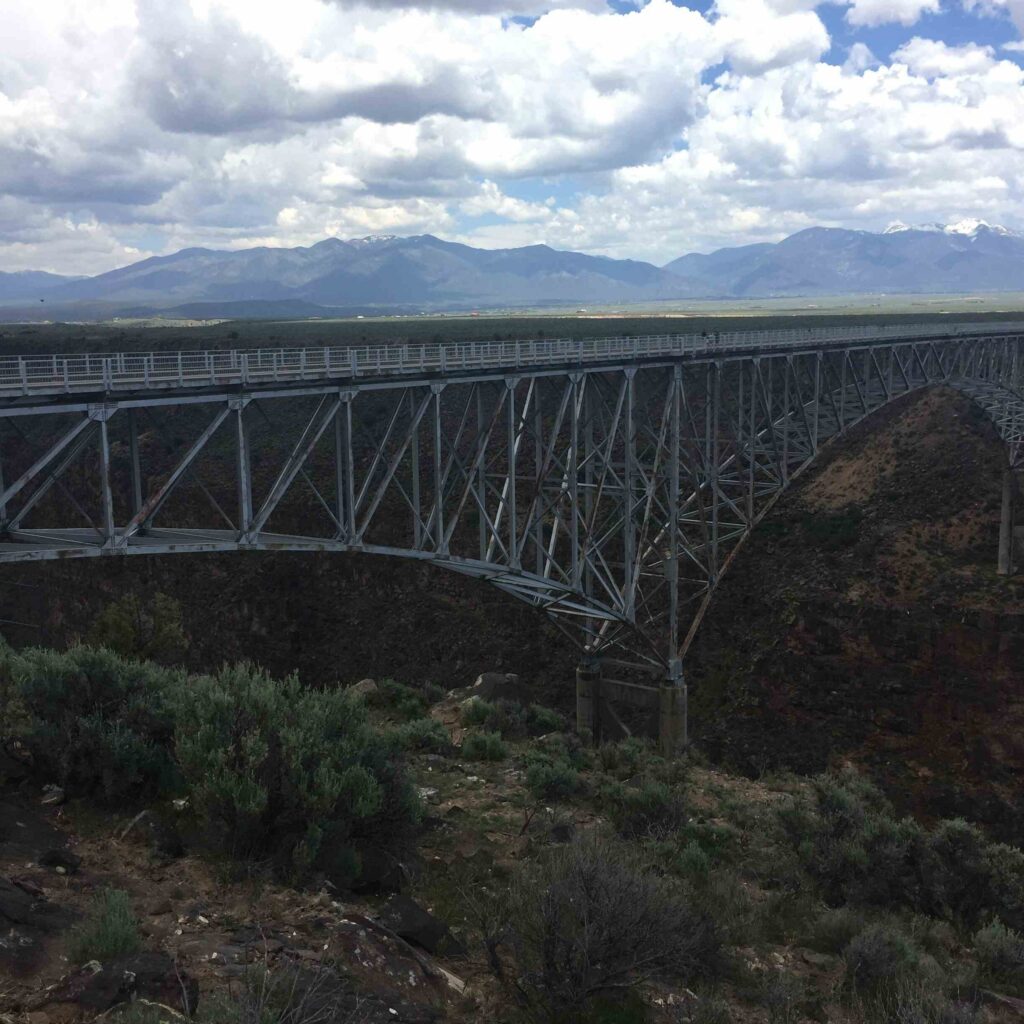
{"x": 1006, "y": 544}
{"x": 672, "y": 713}
{"x": 588, "y": 699}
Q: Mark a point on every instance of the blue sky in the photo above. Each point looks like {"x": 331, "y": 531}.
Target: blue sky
{"x": 131, "y": 128}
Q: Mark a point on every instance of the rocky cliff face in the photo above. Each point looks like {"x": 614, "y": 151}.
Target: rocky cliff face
{"x": 865, "y": 622}
{"x": 331, "y": 618}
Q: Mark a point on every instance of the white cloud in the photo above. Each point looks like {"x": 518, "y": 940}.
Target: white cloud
{"x": 992, "y": 8}
{"x": 154, "y": 124}
{"x": 933, "y": 58}
{"x": 882, "y": 12}
{"x": 491, "y": 200}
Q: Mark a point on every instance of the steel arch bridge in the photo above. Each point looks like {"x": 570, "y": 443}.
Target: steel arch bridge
{"x": 606, "y": 482}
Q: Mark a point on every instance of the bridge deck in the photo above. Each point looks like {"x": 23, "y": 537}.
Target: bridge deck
{"x": 144, "y": 371}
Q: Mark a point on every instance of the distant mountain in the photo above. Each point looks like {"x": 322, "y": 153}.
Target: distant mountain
{"x": 29, "y": 285}
{"x": 377, "y": 271}
{"x": 384, "y": 273}
{"x": 970, "y": 256}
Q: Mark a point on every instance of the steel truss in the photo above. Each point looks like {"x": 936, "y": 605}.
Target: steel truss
{"x": 612, "y": 495}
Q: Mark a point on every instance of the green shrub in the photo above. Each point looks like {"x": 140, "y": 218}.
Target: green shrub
{"x": 834, "y": 928}
{"x": 650, "y": 809}
{"x": 724, "y": 898}
{"x": 484, "y": 746}
{"x": 402, "y": 703}
{"x": 543, "y": 720}
{"x": 879, "y": 956}
{"x": 625, "y": 758}
{"x": 781, "y": 995}
{"x": 433, "y": 694}
{"x": 421, "y": 735}
{"x": 549, "y": 776}
{"x": 592, "y": 918}
{"x": 286, "y": 772}
{"x": 505, "y": 717}
{"x": 148, "y": 629}
{"x": 14, "y": 718}
{"x": 849, "y": 841}
{"x": 693, "y": 863}
{"x": 967, "y": 877}
{"x": 109, "y": 930}
{"x": 510, "y": 718}
{"x": 1000, "y": 953}
{"x": 98, "y": 724}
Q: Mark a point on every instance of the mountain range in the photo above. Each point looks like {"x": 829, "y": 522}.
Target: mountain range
{"x": 423, "y": 272}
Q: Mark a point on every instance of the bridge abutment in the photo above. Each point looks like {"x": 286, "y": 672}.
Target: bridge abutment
{"x": 662, "y": 708}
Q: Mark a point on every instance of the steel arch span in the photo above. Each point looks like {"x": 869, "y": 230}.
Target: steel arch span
{"x": 607, "y": 483}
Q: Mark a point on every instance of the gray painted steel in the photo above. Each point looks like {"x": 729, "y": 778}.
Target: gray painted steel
{"x": 607, "y": 482}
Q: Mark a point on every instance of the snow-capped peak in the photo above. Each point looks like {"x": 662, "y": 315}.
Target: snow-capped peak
{"x": 969, "y": 226}
{"x": 372, "y": 240}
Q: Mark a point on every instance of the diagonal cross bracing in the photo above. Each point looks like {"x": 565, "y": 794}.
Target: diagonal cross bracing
{"x": 609, "y": 485}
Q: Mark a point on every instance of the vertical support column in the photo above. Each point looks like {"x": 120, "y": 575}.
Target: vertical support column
{"x": 587, "y": 406}
{"x": 588, "y": 698}
{"x": 712, "y": 456}
{"x": 787, "y": 373}
{"x": 629, "y": 498}
{"x": 339, "y": 469}
{"x": 414, "y": 461}
{"x": 843, "y": 359}
{"x": 481, "y": 472}
{"x": 350, "y": 466}
{"x": 3, "y": 504}
{"x": 107, "y": 491}
{"x": 438, "y": 475}
{"x": 817, "y": 401}
{"x": 672, "y": 697}
{"x": 752, "y": 441}
{"x": 538, "y": 461}
{"x": 672, "y": 566}
{"x": 513, "y": 459}
{"x": 1006, "y": 552}
{"x": 672, "y": 713}
{"x": 574, "y": 481}
{"x": 243, "y": 470}
{"x": 133, "y": 451}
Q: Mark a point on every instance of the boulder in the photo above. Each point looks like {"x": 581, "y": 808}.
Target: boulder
{"x": 497, "y": 686}
{"x": 394, "y": 982}
{"x": 26, "y": 925}
{"x": 98, "y": 987}
{"x": 407, "y": 919}
{"x": 52, "y": 796}
{"x": 24, "y": 832}
{"x": 363, "y": 688}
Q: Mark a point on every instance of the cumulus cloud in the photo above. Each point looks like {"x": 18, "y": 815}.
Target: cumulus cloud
{"x": 881, "y": 12}
{"x": 991, "y": 8}
{"x": 932, "y": 58}
{"x": 136, "y": 126}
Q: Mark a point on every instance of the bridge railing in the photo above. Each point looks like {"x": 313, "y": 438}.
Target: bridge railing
{"x": 22, "y": 375}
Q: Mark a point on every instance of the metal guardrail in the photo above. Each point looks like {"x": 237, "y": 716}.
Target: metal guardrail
{"x": 57, "y": 374}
